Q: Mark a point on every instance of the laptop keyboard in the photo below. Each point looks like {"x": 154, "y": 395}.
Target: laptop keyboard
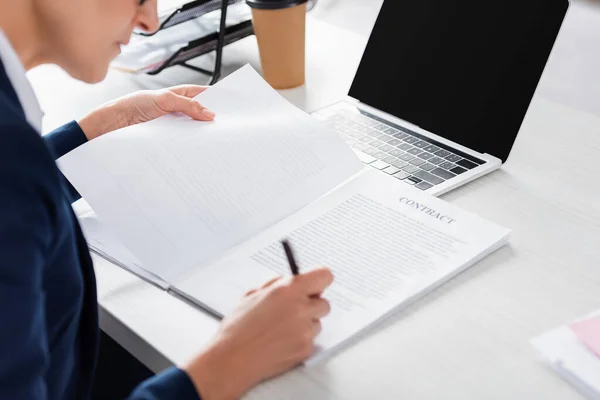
{"x": 399, "y": 152}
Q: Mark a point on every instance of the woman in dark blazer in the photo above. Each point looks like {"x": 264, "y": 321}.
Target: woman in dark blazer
{"x": 48, "y": 305}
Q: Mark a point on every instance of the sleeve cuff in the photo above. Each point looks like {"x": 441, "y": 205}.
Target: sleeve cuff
{"x": 66, "y": 138}
{"x": 172, "y": 383}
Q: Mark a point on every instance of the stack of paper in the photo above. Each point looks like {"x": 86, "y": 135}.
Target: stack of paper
{"x": 102, "y": 241}
{"x": 573, "y": 351}
{"x": 144, "y": 54}
{"x": 204, "y": 205}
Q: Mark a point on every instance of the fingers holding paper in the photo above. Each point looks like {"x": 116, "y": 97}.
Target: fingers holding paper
{"x": 144, "y": 106}
{"x": 181, "y": 99}
{"x": 189, "y": 91}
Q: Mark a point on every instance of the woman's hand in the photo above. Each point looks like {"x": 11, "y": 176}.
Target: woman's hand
{"x": 271, "y": 331}
{"x": 144, "y": 106}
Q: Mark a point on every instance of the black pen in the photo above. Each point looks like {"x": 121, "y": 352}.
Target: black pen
{"x": 290, "y": 257}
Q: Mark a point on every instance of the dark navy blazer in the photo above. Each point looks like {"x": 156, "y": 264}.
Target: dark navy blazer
{"x": 48, "y": 305}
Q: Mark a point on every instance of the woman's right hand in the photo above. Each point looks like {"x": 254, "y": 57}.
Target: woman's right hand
{"x": 271, "y": 331}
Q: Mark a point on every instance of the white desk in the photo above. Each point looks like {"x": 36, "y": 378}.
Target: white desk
{"x": 468, "y": 340}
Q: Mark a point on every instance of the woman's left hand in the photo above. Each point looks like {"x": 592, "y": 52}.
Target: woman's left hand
{"x": 144, "y": 106}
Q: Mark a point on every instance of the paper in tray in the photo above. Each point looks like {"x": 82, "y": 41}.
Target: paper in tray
{"x": 145, "y": 54}
{"x": 187, "y": 11}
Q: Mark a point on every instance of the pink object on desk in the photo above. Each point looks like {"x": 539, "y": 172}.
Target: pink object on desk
{"x": 588, "y": 331}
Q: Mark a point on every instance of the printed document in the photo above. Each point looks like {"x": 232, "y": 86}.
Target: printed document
{"x": 386, "y": 243}
{"x": 203, "y": 208}
{"x": 194, "y": 189}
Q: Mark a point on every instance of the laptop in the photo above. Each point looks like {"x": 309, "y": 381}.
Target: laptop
{"x": 444, "y": 85}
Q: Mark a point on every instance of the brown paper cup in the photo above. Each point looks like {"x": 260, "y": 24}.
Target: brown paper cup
{"x": 281, "y": 44}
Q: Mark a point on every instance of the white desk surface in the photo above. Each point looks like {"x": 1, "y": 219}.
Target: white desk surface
{"x": 468, "y": 340}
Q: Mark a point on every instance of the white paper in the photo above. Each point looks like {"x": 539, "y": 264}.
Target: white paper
{"x": 178, "y": 192}
{"x": 145, "y": 53}
{"x": 571, "y": 359}
{"x": 104, "y": 243}
{"x": 383, "y": 251}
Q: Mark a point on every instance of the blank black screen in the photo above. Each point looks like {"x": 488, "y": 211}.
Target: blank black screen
{"x": 463, "y": 69}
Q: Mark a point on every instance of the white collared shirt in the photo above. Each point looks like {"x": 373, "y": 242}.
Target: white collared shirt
{"x": 16, "y": 74}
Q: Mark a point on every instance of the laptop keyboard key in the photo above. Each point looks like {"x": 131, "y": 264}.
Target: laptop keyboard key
{"x": 414, "y": 179}
{"x": 424, "y": 186}
{"x": 466, "y": 164}
{"x": 345, "y": 129}
{"x": 414, "y": 151}
{"x": 391, "y": 131}
{"x": 426, "y": 176}
{"x": 399, "y": 164}
{"x": 431, "y": 148}
{"x": 404, "y": 146}
{"x": 379, "y": 164}
{"x": 447, "y": 165}
{"x": 377, "y": 144}
{"x": 389, "y": 159}
{"x": 370, "y": 150}
{"x": 401, "y": 175}
{"x": 442, "y": 153}
{"x": 427, "y": 167}
{"x": 394, "y": 142}
{"x": 401, "y": 135}
{"x": 387, "y": 147}
{"x": 436, "y": 160}
{"x": 410, "y": 169}
{"x": 443, "y": 173}
{"x": 417, "y": 161}
{"x": 391, "y": 170}
{"x": 380, "y": 155}
{"x": 360, "y": 146}
{"x": 369, "y": 122}
{"x": 411, "y": 140}
{"x": 354, "y": 117}
{"x": 396, "y": 152}
{"x": 420, "y": 144}
{"x": 425, "y": 155}
{"x": 458, "y": 170}
{"x": 406, "y": 157}
{"x": 453, "y": 158}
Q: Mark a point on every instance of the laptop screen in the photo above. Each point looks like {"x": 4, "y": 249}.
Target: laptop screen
{"x": 465, "y": 70}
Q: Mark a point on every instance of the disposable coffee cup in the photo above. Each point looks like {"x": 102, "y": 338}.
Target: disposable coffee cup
{"x": 280, "y": 29}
